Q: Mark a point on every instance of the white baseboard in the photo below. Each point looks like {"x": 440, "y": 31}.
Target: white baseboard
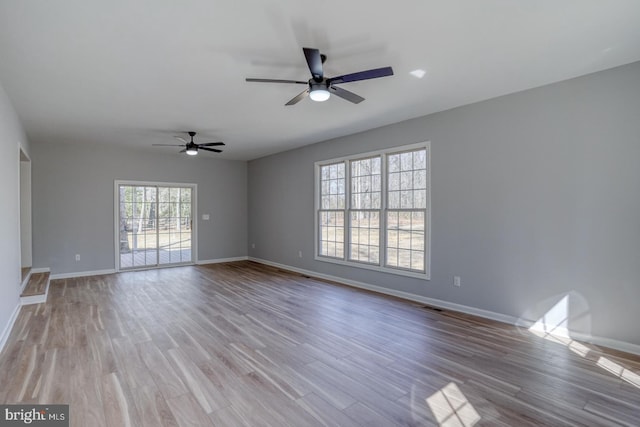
{"x": 404, "y": 295}
{"x": 220, "y": 260}
{"x": 504, "y": 318}
{"x": 82, "y": 274}
{"x": 40, "y": 270}
{"x": 7, "y": 330}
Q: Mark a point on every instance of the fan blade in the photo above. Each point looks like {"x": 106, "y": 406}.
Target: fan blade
{"x": 298, "y": 97}
{"x": 168, "y": 145}
{"x": 276, "y": 81}
{"x": 211, "y": 144}
{"x": 183, "y": 151}
{"x": 314, "y": 61}
{"x": 362, "y": 75}
{"x": 179, "y": 138}
{"x": 345, "y": 94}
{"x": 210, "y": 149}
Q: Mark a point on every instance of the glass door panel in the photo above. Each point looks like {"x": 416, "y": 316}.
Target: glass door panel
{"x": 154, "y": 225}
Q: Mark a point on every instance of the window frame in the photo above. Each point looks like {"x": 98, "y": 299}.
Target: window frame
{"x": 383, "y": 212}
{"x": 158, "y": 184}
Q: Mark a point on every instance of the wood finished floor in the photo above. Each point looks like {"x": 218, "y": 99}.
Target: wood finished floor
{"x": 37, "y": 284}
{"x": 242, "y": 344}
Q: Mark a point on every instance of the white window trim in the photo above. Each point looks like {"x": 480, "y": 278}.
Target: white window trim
{"x": 380, "y": 268}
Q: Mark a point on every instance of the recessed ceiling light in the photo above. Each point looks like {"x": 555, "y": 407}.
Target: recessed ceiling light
{"x": 419, "y": 73}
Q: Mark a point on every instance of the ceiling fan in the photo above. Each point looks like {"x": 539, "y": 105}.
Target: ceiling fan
{"x": 319, "y": 87}
{"x": 191, "y": 147}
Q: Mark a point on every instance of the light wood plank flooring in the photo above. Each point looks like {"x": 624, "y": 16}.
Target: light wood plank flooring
{"x": 242, "y": 344}
{"x": 37, "y": 285}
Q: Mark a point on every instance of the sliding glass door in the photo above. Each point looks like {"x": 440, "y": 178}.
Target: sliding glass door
{"x": 154, "y": 224}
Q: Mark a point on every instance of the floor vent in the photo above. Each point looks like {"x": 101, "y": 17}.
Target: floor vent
{"x": 428, "y": 307}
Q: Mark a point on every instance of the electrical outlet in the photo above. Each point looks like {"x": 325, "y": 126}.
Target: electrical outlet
{"x": 253, "y": 246}
{"x": 299, "y": 254}
{"x": 77, "y": 257}
{"x": 456, "y": 281}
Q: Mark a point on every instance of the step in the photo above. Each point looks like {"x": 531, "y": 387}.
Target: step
{"x": 37, "y": 289}
{"x": 25, "y": 272}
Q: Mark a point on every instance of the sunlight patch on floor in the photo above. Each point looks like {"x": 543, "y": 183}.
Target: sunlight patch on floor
{"x": 553, "y": 326}
{"x": 579, "y": 348}
{"x": 619, "y": 371}
{"x": 575, "y": 346}
{"x": 451, "y": 407}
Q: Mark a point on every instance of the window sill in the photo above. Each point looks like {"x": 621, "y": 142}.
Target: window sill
{"x": 397, "y": 272}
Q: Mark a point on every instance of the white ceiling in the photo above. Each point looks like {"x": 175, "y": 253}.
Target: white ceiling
{"x": 135, "y": 72}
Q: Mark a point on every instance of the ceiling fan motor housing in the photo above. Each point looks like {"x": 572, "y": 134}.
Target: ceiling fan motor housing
{"x": 321, "y": 85}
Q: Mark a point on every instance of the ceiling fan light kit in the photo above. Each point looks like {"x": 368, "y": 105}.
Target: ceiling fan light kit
{"x": 320, "y": 88}
{"x": 319, "y": 93}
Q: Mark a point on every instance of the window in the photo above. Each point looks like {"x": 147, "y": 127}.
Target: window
{"x": 373, "y": 210}
{"x": 332, "y": 204}
{"x": 406, "y": 209}
{"x": 364, "y": 215}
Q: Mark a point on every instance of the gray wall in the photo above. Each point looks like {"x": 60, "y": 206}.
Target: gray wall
{"x": 11, "y": 137}
{"x": 535, "y": 196}
{"x": 73, "y": 188}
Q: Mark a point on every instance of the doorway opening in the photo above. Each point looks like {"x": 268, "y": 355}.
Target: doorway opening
{"x": 154, "y": 224}
{"x": 26, "y": 256}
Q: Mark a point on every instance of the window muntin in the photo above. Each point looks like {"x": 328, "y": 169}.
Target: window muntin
{"x": 373, "y": 210}
{"x": 365, "y": 203}
{"x": 364, "y": 236}
{"x": 331, "y": 213}
{"x": 366, "y": 183}
{"x": 406, "y": 239}
{"x": 332, "y": 234}
{"x": 406, "y": 212}
{"x": 333, "y": 186}
{"x": 407, "y": 180}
